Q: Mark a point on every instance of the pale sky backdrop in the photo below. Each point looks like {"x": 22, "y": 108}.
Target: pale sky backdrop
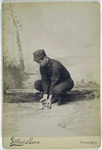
{"x": 68, "y": 31}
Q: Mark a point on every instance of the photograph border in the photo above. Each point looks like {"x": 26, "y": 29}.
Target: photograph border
{"x": 80, "y": 142}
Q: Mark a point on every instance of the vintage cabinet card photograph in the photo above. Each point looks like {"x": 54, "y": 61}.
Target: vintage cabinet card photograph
{"x": 51, "y": 75}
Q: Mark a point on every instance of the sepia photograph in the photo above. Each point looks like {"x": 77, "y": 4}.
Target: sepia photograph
{"x": 51, "y": 75}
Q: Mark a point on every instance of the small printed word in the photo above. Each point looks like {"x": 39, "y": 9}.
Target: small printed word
{"x": 88, "y": 142}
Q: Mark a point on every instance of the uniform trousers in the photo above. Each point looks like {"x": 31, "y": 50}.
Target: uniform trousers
{"x": 59, "y": 90}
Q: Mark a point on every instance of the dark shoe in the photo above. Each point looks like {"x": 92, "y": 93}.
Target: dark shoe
{"x": 60, "y": 102}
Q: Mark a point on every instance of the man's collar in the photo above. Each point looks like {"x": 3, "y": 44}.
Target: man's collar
{"x": 49, "y": 62}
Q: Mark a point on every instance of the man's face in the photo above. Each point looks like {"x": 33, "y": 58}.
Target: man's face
{"x": 42, "y": 62}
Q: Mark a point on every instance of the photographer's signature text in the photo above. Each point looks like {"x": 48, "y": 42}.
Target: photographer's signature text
{"x": 20, "y": 142}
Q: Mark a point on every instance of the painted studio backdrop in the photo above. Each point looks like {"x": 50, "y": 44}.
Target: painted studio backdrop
{"x": 68, "y": 32}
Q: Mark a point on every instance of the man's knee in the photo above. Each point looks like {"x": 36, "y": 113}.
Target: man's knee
{"x": 38, "y": 85}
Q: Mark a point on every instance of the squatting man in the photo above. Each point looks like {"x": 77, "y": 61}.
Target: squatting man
{"x": 55, "y": 79}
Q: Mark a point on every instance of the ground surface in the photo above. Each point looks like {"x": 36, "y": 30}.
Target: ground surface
{"x": 77, "y": 117}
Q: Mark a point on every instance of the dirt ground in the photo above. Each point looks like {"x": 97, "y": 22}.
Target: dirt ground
{"x": 76, "y": 117}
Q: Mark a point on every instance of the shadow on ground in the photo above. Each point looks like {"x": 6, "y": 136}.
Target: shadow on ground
{"x": 74, "y": 95}
{"x": 77, "y": 95}
{"x": 22, "y": 97}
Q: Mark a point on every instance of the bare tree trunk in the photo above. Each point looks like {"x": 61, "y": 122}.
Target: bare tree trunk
{"x": 18, "y": 41}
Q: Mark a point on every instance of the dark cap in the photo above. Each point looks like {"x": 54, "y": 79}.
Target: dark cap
{"x": 39, "y": 54}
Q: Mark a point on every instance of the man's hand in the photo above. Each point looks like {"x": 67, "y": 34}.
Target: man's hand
{"x": 44, "y": 98}
{"x": 49, "y": 102}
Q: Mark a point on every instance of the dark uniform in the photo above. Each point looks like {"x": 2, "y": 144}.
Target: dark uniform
{"x": 56, "y": 79}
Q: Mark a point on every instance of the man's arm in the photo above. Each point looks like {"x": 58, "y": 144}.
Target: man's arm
{"x": 54, "y": 81}
{"x": 45, "y": 81}
{"x": 55, "y": 78}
